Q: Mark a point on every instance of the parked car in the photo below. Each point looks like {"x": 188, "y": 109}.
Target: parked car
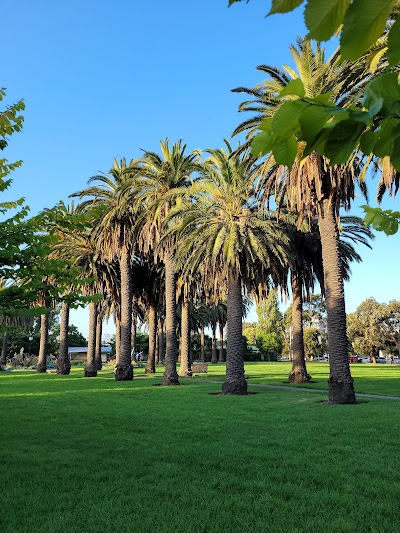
{"x": 354, "y": 359}
{"x": 381, "y": 360}
{"x": 396, "y": 360}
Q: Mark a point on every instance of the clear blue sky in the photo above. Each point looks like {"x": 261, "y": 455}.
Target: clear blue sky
{"x": 103, "y": 79}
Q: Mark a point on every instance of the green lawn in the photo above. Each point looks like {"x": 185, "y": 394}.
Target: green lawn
{"x": 94, "y": 455}
{"x": 368, "y": 378}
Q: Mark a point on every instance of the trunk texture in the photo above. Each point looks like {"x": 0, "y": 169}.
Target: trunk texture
{"x": 157, "y": 348}
{"x": 63, "y": 362}
{"x": 185, "y": 339}
{"x": 161, "y": 342}
{"x": 151, "y": 360}
{"x": 44, "y": 337}
{"x": 234, "y": 380}
{"x": 133, "y": 334}
{"x": 214, "y": 358}
{"x": 117, "y": 337}
{"x": 3, "y": 358}
{"x": 202, "y": 344}
{"x": 171, "y": 356}
{"x": 124, "y": 368}
{"x": 299, "y": 371}
{"x": 99, "y": 334}
{"x": 90, "y": 368}
{"x": 341, "y": 388}
{"x": 221, "y": 358}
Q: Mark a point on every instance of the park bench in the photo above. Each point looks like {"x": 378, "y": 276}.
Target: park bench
{"x": 198, "y": 368}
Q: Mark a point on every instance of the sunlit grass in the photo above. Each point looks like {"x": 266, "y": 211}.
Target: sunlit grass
{"x": 368, "y": 378}
{"x": 96, "y": 455}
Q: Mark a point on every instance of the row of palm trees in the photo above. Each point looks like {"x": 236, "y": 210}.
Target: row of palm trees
{"x": 168, "y": 225}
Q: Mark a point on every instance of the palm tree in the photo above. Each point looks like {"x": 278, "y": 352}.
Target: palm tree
{"x": 311, "y": 187}
{"x": 225, "y": 237}
{"x": 113, "y": 196}
{"x": 159, "y": 176}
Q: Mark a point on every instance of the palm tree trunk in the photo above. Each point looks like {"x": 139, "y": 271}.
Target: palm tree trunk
{"x": 3, "y": 358}
{"x": 221, "y": 358}
{"x": 99, "y": 334}
{"x": 124, "y": 368}
{"x": 133, "y": 331}
{"x": 161, "y": 343}
{"x": 299, "y": 371}
{"x": 157, "y": 347}
{"x": 63, "y": 362}
{"x": 90, "y": 368}
{"x": 185, "y": 338}
{"x": 117, "y": 338}
{"x": 44, "y": 337}
{"x": 214, "y": 358}
{"x": 341, "y": 388}
{"x": 234, "y": 380}
{"x": 171, "y": 356}
{"x": 152, "y": 322}
{"x": 202, "y": 343}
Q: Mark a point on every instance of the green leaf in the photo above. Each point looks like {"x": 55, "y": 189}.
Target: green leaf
{"x": 393, "y": 54}
{"x": 364, "y": 22}
{"x": 395, "y": 156}
{"x": 261, "y": 144}
{"x": 293, "y": 87}
{"x": 312, "y": 120}
{"x": 285, "y": 150}
{"x": 323, "y": 17}
{"x": 284, "y": 6}
{"x": 342, "y": 141}
{"x": 383, "y": 87}
{"x": 367, "y": 142}
{"x": 286, "y": 119}
{"x": 324, "y": 98}
{"x": 385, "y": 136}
{"x": 266, "y": 124}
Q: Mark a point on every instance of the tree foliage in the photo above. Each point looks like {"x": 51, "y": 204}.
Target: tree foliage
{"x": 369, "y": 29}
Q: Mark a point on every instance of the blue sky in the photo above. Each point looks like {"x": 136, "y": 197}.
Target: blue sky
{"x": 103, "y": 80}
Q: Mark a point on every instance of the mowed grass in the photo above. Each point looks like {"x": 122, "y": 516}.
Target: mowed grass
{"x": 95, "y": 455}
{"x": 368, "y": 378}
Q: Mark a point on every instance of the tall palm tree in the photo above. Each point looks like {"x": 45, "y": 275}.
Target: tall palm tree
{"x": 113, "y": 195}
{"x": 227, "y": 238}
{"x": 311, "y": 187}
{"x": 158, "y": 178}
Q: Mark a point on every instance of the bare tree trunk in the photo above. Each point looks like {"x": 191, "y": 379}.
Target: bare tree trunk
{"x": 90, "y": 368}
{"x": 298, "y": 373}
{"x": 221, "y": 358}
{"x": 152, "y": 322}
{"x": 341, "y": 388}
{"x": 3, "y": 358}
{"x": 157, "y": 347}
{"x": 202, "y": 343}
{"x": 63, "y": 362}
{"x": 170, "y": 374}
{"x": 214, "y": 358}
{"x": 161, "y": 343}
{"x": 124, "y": 368}
{"x": 234, "y": 380}
{"x": 99, "y": 334}
{"x": 117, "y": 337}
{"x": 185, "y": 338}
{"x": 41, "y": 366}
{"x": 134, "y": 330}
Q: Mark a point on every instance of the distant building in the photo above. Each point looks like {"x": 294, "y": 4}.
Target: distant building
{"x": 79, "y": 353}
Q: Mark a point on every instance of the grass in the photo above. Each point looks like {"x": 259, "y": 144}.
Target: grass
{"x": 97, "y": 455}
{"x": 368, "y": 378}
